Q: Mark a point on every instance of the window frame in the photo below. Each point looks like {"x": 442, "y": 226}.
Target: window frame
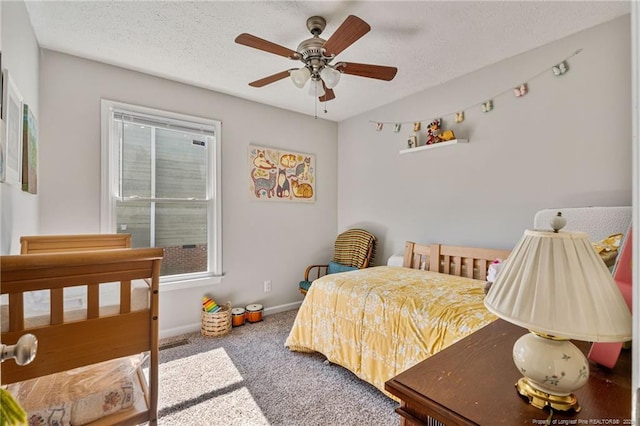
{"x": 109, "y": 190}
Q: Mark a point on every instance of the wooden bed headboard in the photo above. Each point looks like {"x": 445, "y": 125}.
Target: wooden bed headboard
{"x": 468, "y": 262}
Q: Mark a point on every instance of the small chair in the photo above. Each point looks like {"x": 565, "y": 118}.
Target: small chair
{"x": 353, "y": 249}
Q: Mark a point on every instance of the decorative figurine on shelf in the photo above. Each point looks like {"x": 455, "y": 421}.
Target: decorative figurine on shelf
{"x": 412, "y": 142}
{"x": 434, "y": 135}
{"x": 432, "y": 131}
{"x": 447, "y": 135}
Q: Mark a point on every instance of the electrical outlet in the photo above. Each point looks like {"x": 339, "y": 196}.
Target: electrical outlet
{"x": 267, "y": 286}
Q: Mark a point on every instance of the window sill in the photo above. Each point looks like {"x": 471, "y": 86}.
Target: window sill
{"x": 190, "y": 283}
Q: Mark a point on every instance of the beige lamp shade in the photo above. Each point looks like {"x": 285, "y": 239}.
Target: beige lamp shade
{"x": 555, "y": 283}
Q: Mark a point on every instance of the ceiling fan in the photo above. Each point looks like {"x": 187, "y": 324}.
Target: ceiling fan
{"x": 317, "y": 56}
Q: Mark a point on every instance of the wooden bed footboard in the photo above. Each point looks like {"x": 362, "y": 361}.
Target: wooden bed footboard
{"x": 66, "y": 345}
{"x": 461, "y": 261}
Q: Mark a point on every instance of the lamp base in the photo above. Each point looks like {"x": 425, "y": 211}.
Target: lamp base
{"x": 540, "y": 399}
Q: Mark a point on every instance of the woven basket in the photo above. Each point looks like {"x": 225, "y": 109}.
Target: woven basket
{"x": 217, "y": 323}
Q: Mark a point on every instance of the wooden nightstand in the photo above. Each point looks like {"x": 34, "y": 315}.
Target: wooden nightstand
{"x": 473, "y": 383}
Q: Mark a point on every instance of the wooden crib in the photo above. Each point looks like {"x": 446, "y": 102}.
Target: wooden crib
{"x": 65, "y": 344}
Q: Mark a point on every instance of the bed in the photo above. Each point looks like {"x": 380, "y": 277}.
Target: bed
{"x": 379, "y": 321}
{"x": 101, "y": 337}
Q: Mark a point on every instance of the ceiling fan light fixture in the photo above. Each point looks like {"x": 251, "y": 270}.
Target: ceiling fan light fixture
{"x": 330, "y": 76}
{"x": 300, "y": 76}
{"x": 316, "y": 89}
{"x": 316, "y": 55}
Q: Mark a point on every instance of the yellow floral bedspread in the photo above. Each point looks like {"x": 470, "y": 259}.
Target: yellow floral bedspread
{"x": 377, "y": 322}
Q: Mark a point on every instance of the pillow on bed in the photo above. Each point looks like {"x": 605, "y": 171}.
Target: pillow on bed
{"x": 335, "y": 267}
{"x": 608, "y": 249}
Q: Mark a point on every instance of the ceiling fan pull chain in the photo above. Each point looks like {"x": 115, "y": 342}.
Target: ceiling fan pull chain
{"x": 315, "y": 102}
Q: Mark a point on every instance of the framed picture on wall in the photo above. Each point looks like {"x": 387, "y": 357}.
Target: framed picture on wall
{"x": 12, "y": 149}
{"x": 29, "y": 151}
{"x": 281, "y": 175}
{"x": 1, "y": 90}
{"x": 3, "y": 135}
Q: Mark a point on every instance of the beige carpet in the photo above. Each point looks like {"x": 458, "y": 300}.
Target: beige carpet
{"x": 248, "y": 377}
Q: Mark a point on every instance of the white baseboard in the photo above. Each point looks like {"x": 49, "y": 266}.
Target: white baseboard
{"x": 282, "y": 308}
{"x": 177, "y": 331}
{"x": 195, "y": 327}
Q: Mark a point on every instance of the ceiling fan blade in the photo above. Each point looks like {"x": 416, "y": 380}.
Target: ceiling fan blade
{"x": 268, "y": 80}
{"x": 267, "y": 46}
{"x": 348, "y": 33}
{"x": 328, "y": 94}
{"x": 366, "y": 70}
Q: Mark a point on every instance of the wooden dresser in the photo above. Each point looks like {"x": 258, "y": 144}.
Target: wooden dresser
{"x": 473, "y": 383}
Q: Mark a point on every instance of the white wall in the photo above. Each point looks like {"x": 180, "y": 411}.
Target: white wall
{"x": 261, "y": 240}
{"x": 566, "y": 143}
{"x": 19, "y": 210}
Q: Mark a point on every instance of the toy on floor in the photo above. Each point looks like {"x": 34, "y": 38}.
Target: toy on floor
{"x": 209, "y": 305}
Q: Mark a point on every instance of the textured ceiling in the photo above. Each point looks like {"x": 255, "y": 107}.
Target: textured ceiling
{"x": 193, "y": 42}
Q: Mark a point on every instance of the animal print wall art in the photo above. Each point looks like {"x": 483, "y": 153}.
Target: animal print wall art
{"x": 281, "y": 175}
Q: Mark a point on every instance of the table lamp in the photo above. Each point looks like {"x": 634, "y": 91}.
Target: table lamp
{"x": 555, "y": 285}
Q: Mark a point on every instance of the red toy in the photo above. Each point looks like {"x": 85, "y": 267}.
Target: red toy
{"x": 433, "y": 129}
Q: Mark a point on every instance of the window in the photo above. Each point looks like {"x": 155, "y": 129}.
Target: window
{"x": 161, "y": 184}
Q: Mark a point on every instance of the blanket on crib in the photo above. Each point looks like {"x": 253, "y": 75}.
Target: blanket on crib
{"x": 80, "y": 396}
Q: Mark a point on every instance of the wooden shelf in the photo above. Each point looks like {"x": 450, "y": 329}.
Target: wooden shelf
{"x": 434, "y": 145}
